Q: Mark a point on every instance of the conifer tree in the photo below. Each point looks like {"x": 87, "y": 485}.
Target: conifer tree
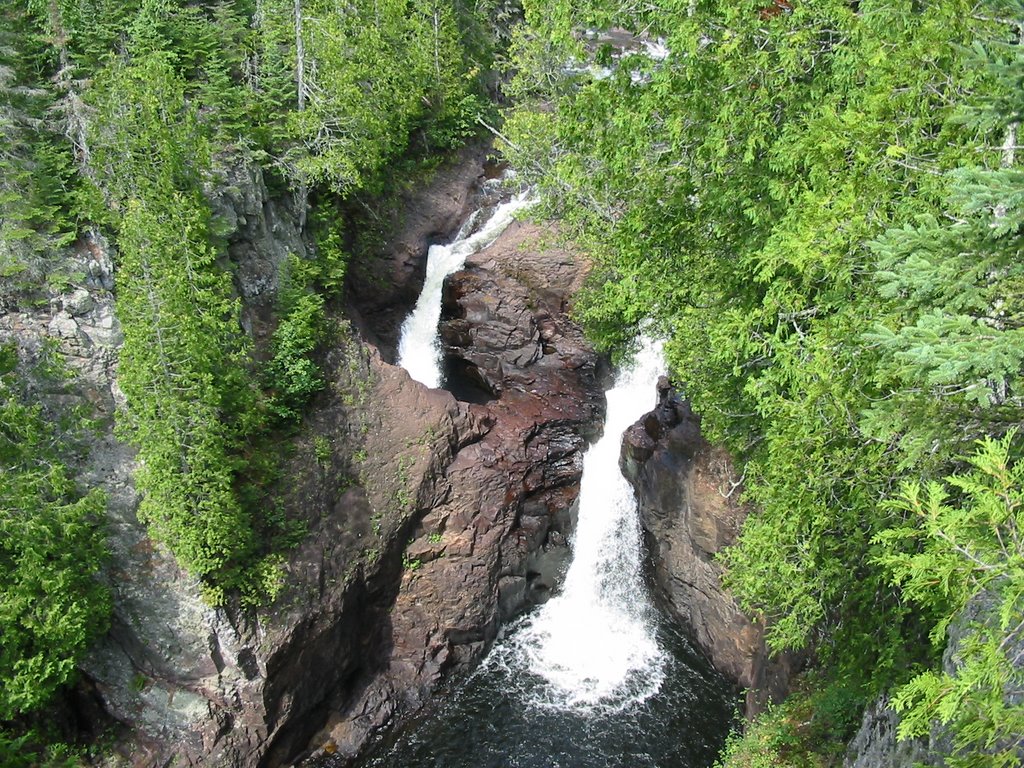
{"x": 51, "y": 547}
{"x": 953, "y": 350}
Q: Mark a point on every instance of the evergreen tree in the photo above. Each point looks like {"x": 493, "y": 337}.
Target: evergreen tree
{"x": 958, "y": 551}
{"x": 953, "y": 347}
{"x": 190, "y": 399}
{"x": 51, "y": 548}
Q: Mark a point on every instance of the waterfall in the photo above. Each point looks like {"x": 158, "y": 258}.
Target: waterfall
{"x": 419, "y": 348}
{"x": 573, "y": 683}
{"x": 594, "y": 644}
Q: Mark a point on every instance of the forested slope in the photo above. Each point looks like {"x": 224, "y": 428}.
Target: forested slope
{"x": 119, "y": 122}
{"x": 820, "y": 205}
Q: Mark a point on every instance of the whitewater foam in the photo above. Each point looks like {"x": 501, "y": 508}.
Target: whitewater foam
{"x": 595, "y": 644}
{"x": 419, "y": 347}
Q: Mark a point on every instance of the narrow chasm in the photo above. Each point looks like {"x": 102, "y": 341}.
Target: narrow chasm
{"x": 595, "y": 676}
{"x": 574, "y": 664}
{"x": 470, "y": 486}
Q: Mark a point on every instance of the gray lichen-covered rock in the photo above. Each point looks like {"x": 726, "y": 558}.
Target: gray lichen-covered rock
{"x": 876, "y": 745}
{"x": 262, "y": 231}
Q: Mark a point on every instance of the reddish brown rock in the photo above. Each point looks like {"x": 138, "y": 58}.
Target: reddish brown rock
{"x": 427, "y": 519}
{"x": 490, "y": 485}
{"x": 689, "y": 510}
{"x": 382, "y": 286}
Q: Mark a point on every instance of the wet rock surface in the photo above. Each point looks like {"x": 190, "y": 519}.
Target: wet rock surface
{"x": 428, "y": 519}
{"x": 487, "y": 489}
{"x": 382, "y": 288}
{"x": 687, "y": 495}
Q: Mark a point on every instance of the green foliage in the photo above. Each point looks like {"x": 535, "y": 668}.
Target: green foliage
{"x": 166, "y": 93}
{"x": 950, "y": 341}
{"x": 123, "y": 116}
{"x": 326, "y": 271}
{"x": 411, "y": 564}
{"x": 956, "y": 549}
{"x": 37, "y": 182}
{"x": 30, "y": 750}
{"x": 821, "y": 210}
{"x": 292, "y": 375}
{"x": 322, "y": 450}
{"x": 350, "y": 98}
{"x": 774, "y": 740}
{"x": 190, "y": 400}
{"x": 809, "y": 729}
{"x": 51, "y": 549}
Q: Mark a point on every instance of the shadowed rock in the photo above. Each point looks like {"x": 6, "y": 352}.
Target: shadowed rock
{"x": 688, "y": 508}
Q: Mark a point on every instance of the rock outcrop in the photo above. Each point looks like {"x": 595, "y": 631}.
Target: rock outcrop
{"x": 381, "y": 289}
{"x": 428, "y": 519}
{"x": 875, "y": 745}
{"x": 487, "y": 488}
{"x": 689, "y": 511}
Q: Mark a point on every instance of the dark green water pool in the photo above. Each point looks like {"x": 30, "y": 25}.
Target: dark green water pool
{"x": 495, "y": 719}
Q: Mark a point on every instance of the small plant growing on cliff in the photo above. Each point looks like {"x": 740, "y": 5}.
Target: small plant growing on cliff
{"x": 51, "y": 545}
{"x": 322, "y": 450}
{"x": 138, "y": 683}
{"x": 292, "y": 375}
{"x": 957, "y": 552}
{"x": 411, "y": 563}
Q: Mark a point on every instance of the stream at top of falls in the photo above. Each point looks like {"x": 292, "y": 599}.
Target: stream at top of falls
{"x": 419, "y": 349}
{"x": 597, "y": 676}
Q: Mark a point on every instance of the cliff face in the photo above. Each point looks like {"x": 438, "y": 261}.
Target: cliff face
{"x": 485, "y": 486}
{"x": 689, "y": 510}
{"x": 429, "y": 519}
{"x": 182, "y": 676}
{"x": 875, "y": 744}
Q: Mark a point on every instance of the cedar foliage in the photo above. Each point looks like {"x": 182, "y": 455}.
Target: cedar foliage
{"x": 51, "y": 547}
{"x": 820, "y": 207}
{"x": 120, "y": 116}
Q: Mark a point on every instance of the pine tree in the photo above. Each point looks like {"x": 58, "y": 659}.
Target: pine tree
{"x": 954, "y": 349}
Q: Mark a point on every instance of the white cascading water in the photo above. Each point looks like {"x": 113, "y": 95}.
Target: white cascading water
{"x": 595, "y": 644}
{"x": 419, "y": 348}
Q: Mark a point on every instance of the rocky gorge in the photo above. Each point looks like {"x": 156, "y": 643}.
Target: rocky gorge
{"x": 431, "y": 516}
{"x": 429, "y": 519}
